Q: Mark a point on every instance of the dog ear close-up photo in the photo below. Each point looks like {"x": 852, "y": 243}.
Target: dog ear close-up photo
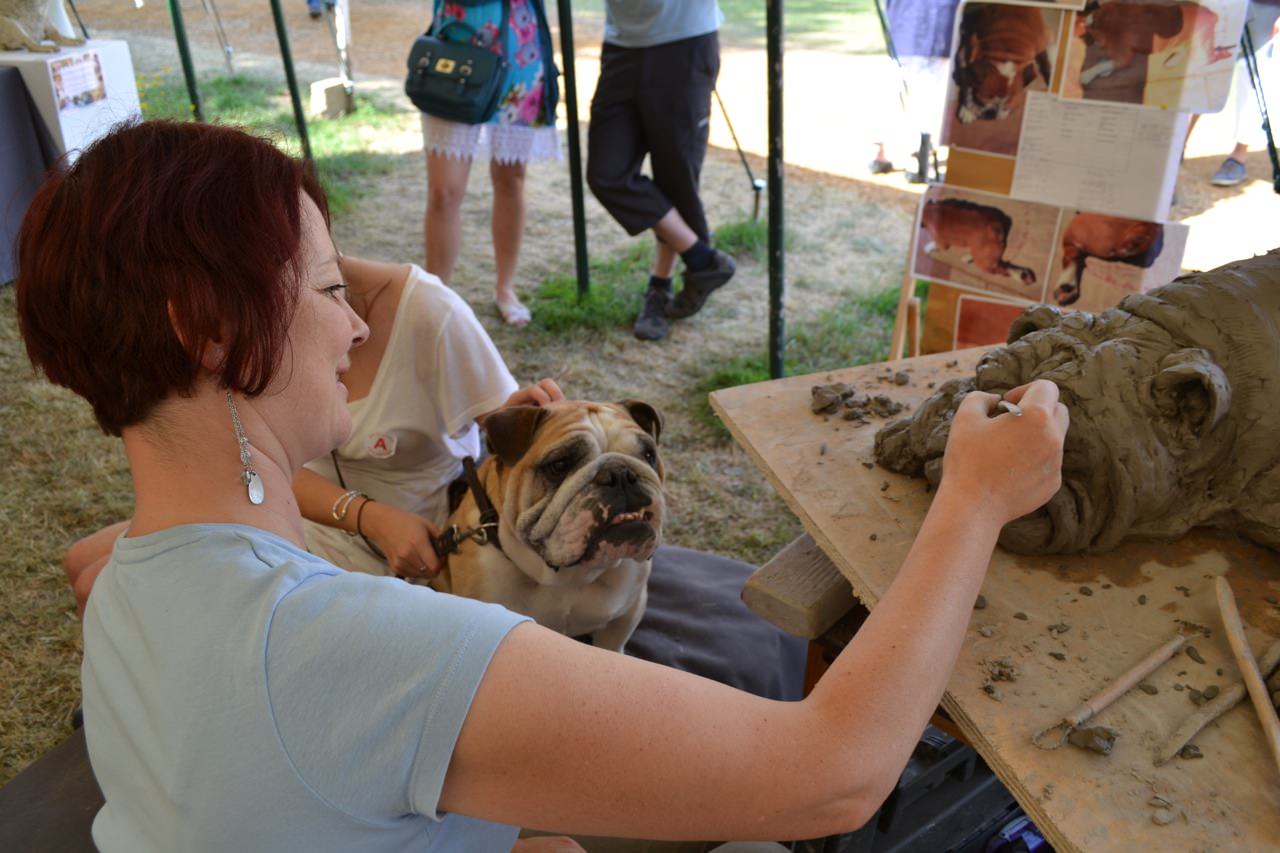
{"x": 577, "y": 490}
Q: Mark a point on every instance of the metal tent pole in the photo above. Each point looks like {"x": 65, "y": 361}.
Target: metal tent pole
{"x": 184, "y": 53}
{"x": 777, "y": 280}
{"x": 287, "y": 57}
{"x": 575, "y": 148}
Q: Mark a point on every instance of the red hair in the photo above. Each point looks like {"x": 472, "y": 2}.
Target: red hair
{"x": 161, "y": 239}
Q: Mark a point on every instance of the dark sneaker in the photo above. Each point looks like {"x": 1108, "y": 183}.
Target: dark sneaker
{"x": 651, "y": 325}
{"x": 699, "y": 285}
{"x": 1230, "y": 173}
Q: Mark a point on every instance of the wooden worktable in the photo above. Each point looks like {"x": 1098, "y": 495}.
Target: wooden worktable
{"x": 1228, "y": 800}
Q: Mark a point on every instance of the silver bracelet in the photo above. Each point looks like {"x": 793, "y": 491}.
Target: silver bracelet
{"x": 343, "y": 503}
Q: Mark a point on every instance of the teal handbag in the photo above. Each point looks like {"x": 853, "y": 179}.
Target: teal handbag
{"x": 460, "y": 81}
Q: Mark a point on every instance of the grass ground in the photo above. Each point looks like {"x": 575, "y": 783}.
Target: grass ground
{"x": 845, "y": 244}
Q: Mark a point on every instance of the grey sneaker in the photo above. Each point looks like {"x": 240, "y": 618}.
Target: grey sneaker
{"x": 699, "y": 285}
{"x": 1230, "y": 173}
{"x": 651, "y": 325}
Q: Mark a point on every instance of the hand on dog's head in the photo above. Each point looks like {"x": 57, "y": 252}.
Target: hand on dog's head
{"x": 509, "y": 432}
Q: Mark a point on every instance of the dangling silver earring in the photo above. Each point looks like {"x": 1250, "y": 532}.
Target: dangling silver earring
{"x": 252, "y": 482}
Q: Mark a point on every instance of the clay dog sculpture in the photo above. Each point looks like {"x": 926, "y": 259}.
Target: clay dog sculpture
{"x": 1001, "y": 51}
{"x": 578, "y": 491}
{"x": 1107, "y": 238}
{"x": 28, "y": 24}
{"x": 1124, "y": 31}
{"x": 981, "y": 230}
{"x": 1174, "y": 422}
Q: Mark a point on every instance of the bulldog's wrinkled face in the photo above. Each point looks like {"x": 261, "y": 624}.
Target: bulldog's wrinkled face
{"x": 1136, "y": 451}
{"x": 584, "y": 485}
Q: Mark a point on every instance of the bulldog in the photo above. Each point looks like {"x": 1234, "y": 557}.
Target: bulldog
{"x": 577, "y": 487}
{"x": 1001, "y": 51}
{"x": 1174, "y": 421}
{"x": 1125, "y": 30}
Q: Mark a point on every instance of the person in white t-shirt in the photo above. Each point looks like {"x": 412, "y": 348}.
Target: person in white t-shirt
{"x": 418, "y": 389}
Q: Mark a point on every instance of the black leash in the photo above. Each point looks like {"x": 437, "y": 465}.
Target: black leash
{"x": 1255, "y": 80}
{"x": 484, "y": 533}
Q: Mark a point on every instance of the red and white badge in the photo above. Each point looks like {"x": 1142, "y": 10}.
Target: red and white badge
{"x": 381, "y": 445}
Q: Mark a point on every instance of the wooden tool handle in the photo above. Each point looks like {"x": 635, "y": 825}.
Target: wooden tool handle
{"x": 1248, "y": 666}
{"x": 1122, "y": 685}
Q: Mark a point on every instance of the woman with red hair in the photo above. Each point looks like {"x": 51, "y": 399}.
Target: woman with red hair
{"x": 241, "y": 693}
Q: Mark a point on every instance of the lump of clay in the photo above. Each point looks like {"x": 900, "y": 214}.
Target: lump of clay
{"x": 1174, "y": 421}
{"x": 1100, "y": 739}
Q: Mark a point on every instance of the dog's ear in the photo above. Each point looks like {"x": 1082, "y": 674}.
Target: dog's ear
{"x": 1192, "y": 396}
{"x": 510, "y": 431}
{"x": 1043, "y": 67}
{"x": 972, "y": 51}
{"x": 645, "y": 415}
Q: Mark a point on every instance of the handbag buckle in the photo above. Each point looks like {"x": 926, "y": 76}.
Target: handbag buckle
{"x": 466, "y": 69}
{"x": 445, "y": 65}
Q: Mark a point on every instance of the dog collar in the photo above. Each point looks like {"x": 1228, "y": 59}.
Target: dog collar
{"x": 484, "y": 533}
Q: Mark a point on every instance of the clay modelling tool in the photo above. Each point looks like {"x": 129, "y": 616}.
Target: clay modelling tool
{"x": 1248, "y": 666}
{"x": 1056, "y": 735}
{"x": 1012, "y": 408}
{"x": 1213, "y": 709}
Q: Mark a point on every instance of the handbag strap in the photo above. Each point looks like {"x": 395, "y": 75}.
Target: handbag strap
{"x": 439, "y": 28}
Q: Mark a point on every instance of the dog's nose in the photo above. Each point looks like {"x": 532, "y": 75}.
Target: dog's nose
{"x": 614, "y": 478}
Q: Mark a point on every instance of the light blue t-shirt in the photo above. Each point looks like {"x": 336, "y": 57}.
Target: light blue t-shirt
{"x": 241, "y": 694}
{"x": 645, "y": 23}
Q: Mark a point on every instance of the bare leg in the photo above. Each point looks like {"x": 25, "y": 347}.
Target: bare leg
{"x": 1191, "y": 125}
{"x": 664, "y": 259}
{"x": 508, "y": 231}
{"x": 86, "y": 558}
{"x": 442, "y": 231}
{"x": 90, "y": 549}
{"x": 84, "y": 584}
{"x": 674, "y": 231}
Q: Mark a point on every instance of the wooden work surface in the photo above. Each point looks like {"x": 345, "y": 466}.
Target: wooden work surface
{"x": 1228, "y": 800}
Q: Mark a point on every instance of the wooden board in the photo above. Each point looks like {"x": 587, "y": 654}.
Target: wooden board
{"x": 1230, "y": 799}
{"x": 800, "y": 590}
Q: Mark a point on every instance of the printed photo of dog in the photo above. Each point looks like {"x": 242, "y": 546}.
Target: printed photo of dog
{"x": 577, "y": 486}
{"x": 981, "y": 241}
{"x": 1100, "y": 259}
{"x": 1173, "y": 54}
{"x": 1001, "y": 52}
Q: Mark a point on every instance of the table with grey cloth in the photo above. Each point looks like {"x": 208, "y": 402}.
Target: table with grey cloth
{"x": 695, "y": 621}
{"x": 25, "y": 152}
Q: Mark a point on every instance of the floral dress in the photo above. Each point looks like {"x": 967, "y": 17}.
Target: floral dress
{"x": 522, "y": 129}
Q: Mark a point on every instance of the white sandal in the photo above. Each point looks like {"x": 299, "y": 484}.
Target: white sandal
{"x": 514, "y": 314}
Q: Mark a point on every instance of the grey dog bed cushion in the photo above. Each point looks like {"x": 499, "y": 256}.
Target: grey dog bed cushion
{"x": 695, "y": 621}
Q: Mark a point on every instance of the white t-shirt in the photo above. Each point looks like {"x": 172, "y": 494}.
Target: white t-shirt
{"x": 242, "y": 694}
{"x": 411, "y": 433}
